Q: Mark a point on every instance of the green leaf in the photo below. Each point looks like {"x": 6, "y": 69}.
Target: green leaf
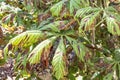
{"x": 108, "y": 76}
{"x": 78, "y": 47}
{"x": 71, "y": 76}
{"x": 2, "y": 62}
{"x": 116, "y": 56}
{"x": 54, "y": 26}
{"x": 74, "y": 4}
{"x": 112, "y": 25}
{"x": 24, "y": 40}
{"x": 118, "y": 70}
{"x": 77, "y": 4}
{"x": 42, "y": 48}
{"x": 2, "y": 0}
{"x": 27, "y": 38}
{"x": 84, "y": 11}
{"x": 111, "y": 9}
{"x": 88, "y": 22}
{"x": 58, "y": 62}
{"x": 55, "y": 9}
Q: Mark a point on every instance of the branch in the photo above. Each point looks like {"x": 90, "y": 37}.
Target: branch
{"x": 42, "y": 17}
{"x": 96, "y": 47}
{"x": 68, "y": 24}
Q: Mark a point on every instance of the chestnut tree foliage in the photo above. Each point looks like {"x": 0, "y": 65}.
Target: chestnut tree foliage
{"x": 70, "y": 38}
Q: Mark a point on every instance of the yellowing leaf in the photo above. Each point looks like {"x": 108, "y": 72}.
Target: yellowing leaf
{"x": 58, "y": 62}
{"x": 42, "y": 48}
{"x": 1, "y": 56}
{"x": 24, "y": 39}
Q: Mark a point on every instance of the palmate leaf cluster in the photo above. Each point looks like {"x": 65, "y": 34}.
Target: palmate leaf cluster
{"x": 85, "y": 36}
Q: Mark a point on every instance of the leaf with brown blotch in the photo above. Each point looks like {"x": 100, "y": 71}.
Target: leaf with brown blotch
{"x": 88, "y": 22}
{"x": 58, "y": 62}
{"x": 24, "y": 40}
{"x": 112, "y": 25}
{"x": 41, "y": 51}
{"x": 55, "y": 26}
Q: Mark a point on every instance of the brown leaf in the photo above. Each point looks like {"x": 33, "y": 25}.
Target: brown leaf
{"x": 12, "y": 18}
{"x": 1, "y": 33}
{"x": 2, "y": 41}
{"x": 42, "y": 17}
{"x": 45, "y": 58}
{"x": 10, "y": 47}
{"x": 19, "y": 30}
{"x": 64, "y": 26}
{"x": 4, "y": 19}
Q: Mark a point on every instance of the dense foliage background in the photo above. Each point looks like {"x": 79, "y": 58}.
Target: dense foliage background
{"x": 60, "y": 39}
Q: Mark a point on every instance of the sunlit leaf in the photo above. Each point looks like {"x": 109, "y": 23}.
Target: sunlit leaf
{"x": 42, "y": 48}
{"x": 24, "y": 39}
{"x": 58, "y": 62}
